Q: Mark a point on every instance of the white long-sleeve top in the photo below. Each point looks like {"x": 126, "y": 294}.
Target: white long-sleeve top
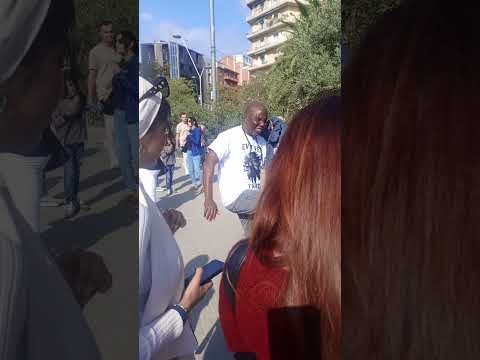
{"x": 39, "y": 317}
{"x": 162, "y": 334}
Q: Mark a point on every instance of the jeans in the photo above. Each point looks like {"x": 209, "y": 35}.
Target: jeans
{"x": 185, "y": 162}
{"x": 110, "y": 140}
{"x": 193, "y": 163}
{"x": 126, "y": 141}
{"x": 169, "y": 177}
{"x": 71, "y": 172}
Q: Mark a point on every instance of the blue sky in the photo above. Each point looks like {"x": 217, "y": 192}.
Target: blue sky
{"x": 159, "y": 19}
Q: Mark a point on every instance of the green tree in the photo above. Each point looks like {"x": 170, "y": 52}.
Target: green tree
{"x": 182, "y": 99}
{"x": 310, "y": 64}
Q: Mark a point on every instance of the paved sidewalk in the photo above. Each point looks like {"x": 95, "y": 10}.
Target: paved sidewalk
{"x": 200, "y": 242}
{"x": 110, "y": 228}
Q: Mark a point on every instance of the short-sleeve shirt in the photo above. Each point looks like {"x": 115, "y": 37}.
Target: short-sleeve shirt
{"x": 241, "y": 159}
{"x": 182, "y": 132}
{"x": 105, "y": 61}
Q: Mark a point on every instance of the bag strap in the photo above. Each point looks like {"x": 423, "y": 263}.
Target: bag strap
{"x": 232, "y": 268}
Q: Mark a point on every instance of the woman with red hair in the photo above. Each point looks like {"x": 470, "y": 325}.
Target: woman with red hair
{"x": 287, "y": 295}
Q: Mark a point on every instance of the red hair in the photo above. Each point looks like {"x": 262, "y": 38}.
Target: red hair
{"x": 298, "y": 215}
{"x": 411, "y": 188}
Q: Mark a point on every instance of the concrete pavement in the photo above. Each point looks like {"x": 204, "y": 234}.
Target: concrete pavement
{"x": 201, "y": 241}
{"x": 110, "y": 228}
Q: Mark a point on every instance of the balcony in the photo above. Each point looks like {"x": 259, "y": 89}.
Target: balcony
{"x": 271, "y": 25}
{"x": 258, "y": 49}
{"x": 260, "y": 67}
{"x": 258, "y": 13}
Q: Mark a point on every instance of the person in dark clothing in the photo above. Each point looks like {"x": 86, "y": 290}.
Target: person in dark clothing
{"x": 168, "y": 158}
{"x": 194, "y": 139}
{"x": 125, "y": 92}
{"x": 71, "y": 130}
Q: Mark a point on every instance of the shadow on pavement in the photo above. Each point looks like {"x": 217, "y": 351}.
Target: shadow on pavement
{"x": 197, "y": 261}
{"x": 180, "y": 179}
{"x": 51, "y": 182}
{"x": 90, "y": 152}
{"x": 177, "y": 200}
{"x": 213, "y": 346}
{"x": 102, "y": 177}
{"x": 110, "y": 190}
{"x": 85, "y": 231}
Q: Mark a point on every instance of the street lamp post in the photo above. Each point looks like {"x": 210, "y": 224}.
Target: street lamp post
{"x": 195, "y": 66}
{"x": 214, "y": 56}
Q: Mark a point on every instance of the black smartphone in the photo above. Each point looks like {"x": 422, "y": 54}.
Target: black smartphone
{"x": 210, "y": 270}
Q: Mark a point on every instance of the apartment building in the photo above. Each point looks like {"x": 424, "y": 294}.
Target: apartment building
{"x": 239, "y": 64}
{"x": 268, "y": 30}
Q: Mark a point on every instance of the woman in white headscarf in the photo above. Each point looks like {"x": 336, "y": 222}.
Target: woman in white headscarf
{"x": 164, "y": 330}
{"x": 39, "y": 316}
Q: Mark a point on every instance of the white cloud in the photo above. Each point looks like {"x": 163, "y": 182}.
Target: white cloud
{"x": 147, "y": 17}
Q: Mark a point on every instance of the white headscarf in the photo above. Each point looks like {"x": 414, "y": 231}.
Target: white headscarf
{"x": 21, "y": 21}
{"x": 148, "y": 108}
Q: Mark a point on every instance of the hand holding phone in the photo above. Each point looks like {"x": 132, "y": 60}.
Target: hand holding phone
{"x": 210, "y": 270}
{"x": 194, "y": 292}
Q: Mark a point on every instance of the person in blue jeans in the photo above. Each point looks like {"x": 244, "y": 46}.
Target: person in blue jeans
{"x": 71, "y": 129}
{"x": 194, "y": 158}
{"x": 125, "y": 94}
{"x": 168, "y": 158}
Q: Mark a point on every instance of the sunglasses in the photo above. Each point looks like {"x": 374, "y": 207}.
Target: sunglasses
{"x": 160, "y": 85}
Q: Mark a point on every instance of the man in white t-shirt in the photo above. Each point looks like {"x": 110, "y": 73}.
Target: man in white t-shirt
{"x": 103, "y": 65}
{"x": 241, "y": 154}
{"x": 181, "y": 129}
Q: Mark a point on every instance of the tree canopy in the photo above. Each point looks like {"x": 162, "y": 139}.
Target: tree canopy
{"x": 310, "y": 64}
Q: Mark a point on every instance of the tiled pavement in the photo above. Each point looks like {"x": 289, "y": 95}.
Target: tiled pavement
{"x": 110, "y": 229}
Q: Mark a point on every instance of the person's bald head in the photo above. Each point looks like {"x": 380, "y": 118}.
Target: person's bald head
{"x": 256, "y": 116}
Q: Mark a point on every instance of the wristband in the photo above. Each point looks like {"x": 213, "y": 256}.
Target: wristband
{"x": 181, "y": 311}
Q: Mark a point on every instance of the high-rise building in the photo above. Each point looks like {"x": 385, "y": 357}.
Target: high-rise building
{"x": 268, "y": 30}
{"x": 174, "y": 59}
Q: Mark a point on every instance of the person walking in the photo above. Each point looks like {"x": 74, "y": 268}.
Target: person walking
{"x": 168, "y": 158}
{"x": 71, "y": 129}
{"x": 125, "y": 95}
{"x": 164, "y": 303}
{"x": 194, "y": 157}
{"x": 103, "y": 65}
{"x": 240, "y": 154}
{"x": 181, "y": 132}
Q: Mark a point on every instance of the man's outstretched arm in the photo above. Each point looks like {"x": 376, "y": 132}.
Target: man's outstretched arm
{"x": 210, "y": 207}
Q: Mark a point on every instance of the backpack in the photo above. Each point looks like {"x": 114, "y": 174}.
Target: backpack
{"x": 231, "y": 273}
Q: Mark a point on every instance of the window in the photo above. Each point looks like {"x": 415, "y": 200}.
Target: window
{"x": 263, "y": 59}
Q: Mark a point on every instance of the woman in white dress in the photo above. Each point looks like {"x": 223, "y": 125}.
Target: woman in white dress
{"x": 164, "y": 330}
